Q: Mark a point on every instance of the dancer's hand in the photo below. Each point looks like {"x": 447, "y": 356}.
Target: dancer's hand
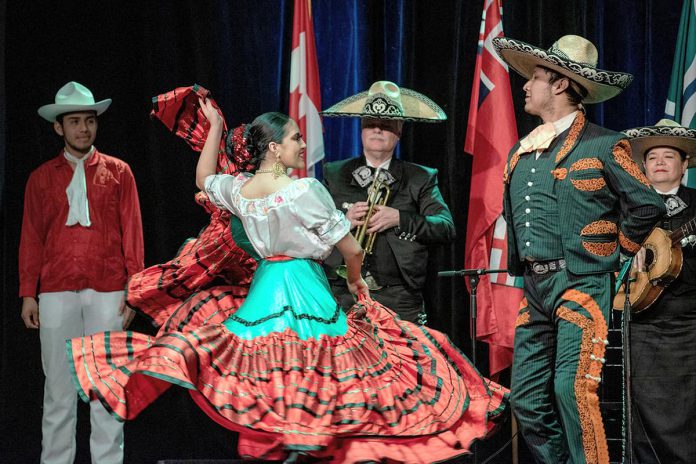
{"x": 210, "y": 113}
{"x": 359, "y": 287}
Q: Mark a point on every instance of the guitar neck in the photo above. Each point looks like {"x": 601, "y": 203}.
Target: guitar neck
{"x": 684, "y": 231}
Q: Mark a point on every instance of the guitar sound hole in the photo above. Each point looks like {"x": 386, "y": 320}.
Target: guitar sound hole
{"x": 649, "y": 258}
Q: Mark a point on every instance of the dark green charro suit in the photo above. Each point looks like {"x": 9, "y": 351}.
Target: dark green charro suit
{"x": 588, "y": 202}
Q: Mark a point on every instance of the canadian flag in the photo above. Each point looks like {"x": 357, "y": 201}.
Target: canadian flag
{"x": 305, "y": 91}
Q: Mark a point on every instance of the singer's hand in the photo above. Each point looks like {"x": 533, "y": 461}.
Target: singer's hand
{"x": 639, "y": 261}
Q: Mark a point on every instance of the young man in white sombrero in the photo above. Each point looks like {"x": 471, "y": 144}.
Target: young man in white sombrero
{"x": 415, "y": 215}
{"x": 663, "y": 336}
{"x": 81, "y": 238}
{"x": 574, "y": 200}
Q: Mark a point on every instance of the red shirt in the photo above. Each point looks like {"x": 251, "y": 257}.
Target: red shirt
{"x": 54, "y": 257}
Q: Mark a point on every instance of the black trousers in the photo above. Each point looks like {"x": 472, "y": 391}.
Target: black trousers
{"x": 663, "y": 360}
{"x": 404, "y": 301}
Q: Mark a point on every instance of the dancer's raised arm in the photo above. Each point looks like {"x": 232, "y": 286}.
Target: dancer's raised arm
{"x": 208, "y": 159}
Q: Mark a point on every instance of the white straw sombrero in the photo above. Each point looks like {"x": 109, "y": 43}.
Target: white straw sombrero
{"x": 666, "y": 133}
{"x": 572, "y": 56}
{"x": 385, "y": 100}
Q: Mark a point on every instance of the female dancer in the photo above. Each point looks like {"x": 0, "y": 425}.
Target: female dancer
{"x": 290, "y": 370}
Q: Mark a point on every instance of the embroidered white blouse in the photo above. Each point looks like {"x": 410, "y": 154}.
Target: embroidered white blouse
{"x": 299, "y": 220}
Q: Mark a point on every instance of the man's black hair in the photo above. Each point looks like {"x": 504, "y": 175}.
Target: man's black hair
{"x": 576, "y": 92}
{"x": 59, "y": 118}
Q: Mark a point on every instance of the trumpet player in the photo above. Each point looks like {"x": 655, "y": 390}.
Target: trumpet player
{"x": 394, "y": 233}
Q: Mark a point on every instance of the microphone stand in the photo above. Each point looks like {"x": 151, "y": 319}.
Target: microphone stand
{"x": 625, "y": 276}
{"x": 474, "y": 276}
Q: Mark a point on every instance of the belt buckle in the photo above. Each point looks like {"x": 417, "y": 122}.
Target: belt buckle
{"x": 540, "y": 268}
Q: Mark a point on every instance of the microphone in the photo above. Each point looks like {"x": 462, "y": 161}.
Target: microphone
{"x": 450, "y": 274}
{"x": 465, "y": 272}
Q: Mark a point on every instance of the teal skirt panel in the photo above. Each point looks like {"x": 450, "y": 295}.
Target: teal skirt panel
{"x": 292, "y": 294}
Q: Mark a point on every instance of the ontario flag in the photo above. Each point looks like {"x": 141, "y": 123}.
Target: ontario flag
{"x": 305, "y": 91}
{"x": 491, "y": 133}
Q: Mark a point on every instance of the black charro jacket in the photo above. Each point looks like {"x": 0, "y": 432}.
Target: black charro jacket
{"x": 425, "y": 219}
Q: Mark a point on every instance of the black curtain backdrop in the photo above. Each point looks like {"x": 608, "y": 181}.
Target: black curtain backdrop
{"x": 131, "y": 51}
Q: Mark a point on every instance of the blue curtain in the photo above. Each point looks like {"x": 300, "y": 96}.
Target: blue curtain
{"x": 252, "y": 54}
{"x": 344, "y": 56}
{"x": 358, "y": 42}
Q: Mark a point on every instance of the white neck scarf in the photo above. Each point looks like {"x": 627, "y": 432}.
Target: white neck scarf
{"x": 77, "y": 191}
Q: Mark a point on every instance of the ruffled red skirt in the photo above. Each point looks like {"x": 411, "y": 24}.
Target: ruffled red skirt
{"x": 166, "y": 292}
{"x": 386, "y": 390}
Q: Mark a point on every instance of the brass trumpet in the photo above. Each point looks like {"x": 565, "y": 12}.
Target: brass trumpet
{"x": 377, "y": 195}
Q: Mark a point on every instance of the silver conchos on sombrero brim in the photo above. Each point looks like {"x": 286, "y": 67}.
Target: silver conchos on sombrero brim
{"x": 572, "y": 56}
{"x": 386, "y": 100}
{"x": 666, "y": 133}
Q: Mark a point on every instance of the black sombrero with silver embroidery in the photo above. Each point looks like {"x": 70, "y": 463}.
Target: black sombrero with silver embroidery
{"x": 666, "y": 133}
{"x": 385, "y": 100}
{"x": 572, "y": 56}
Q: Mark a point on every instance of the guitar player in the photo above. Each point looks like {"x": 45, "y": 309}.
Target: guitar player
{"x": 663, "y": 337}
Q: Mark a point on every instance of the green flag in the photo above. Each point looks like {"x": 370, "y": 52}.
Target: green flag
{"x": 681, "y": 99}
